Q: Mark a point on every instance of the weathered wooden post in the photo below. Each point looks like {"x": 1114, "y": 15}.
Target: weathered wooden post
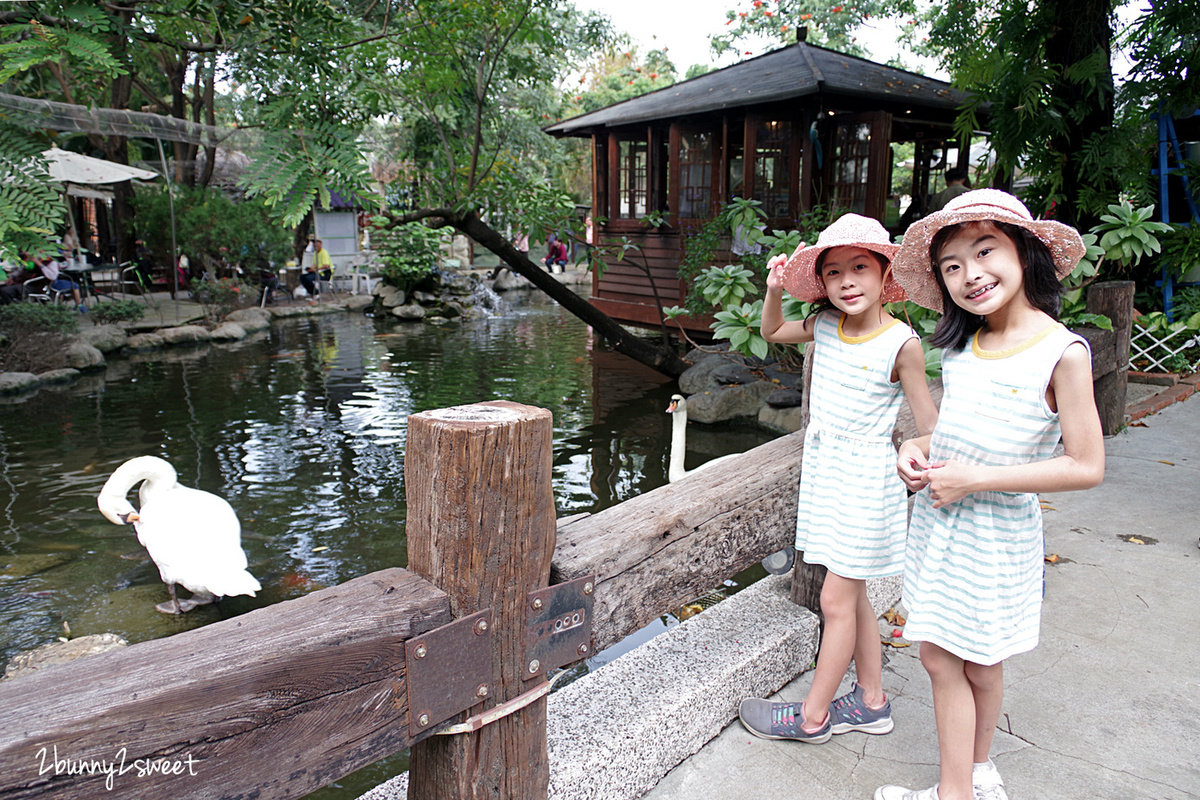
{"x": 481, "y": 526}
{"x": 1113, "y": 299}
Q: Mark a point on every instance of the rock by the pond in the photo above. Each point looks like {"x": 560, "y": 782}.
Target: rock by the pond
{"x": 81, "y": 355}
{"x": 105, "y": 338}
{"x": 22, "y": 565}
{"x": 734, "y": 372}
{"x": 729, "y": 402}
{"x": 185, "y": 334}
{"x": 424, "y": 298}
{"x": 228, "y": 331}
{"x": 389, "y": 296}
{"x": 142, "y": 342}
{"x": 359, "y": 302}
{"x": 58, "y": 377}
{"x": 784, "y": 397}
{"x": 250, "y": 319}
{"x": 452, "y": 310}
{"x": 699, "y": 377}
{"x": 409, "y": 312}
{"x": 18, "y": 382}
{"x": 508, "y": 281}
{"x": 49, "y": 655}
{"x": 787, "y": 420}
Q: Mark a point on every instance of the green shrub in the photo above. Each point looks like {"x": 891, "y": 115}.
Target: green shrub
{"x": 223, "y": 295}
{"x": 118, "y": 311}
{"x": 407, "y": 253}
{"x": 33, "y": 336}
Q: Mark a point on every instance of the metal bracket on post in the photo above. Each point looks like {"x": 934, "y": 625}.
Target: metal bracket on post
{"x": 559, "y": 631}
{"x": 449, "y": 670}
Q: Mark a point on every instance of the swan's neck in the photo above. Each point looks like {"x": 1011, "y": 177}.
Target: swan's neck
{"x": 675, "y": 469}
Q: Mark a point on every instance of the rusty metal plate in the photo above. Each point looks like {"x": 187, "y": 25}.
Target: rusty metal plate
{"x": 559, "y": 631}
{"x": 449, "y": 670}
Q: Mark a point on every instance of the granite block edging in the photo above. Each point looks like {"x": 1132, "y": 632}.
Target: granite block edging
{"x": 614, "y": 733}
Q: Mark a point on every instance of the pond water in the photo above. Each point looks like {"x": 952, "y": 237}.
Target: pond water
{"x": 302, "y": 429}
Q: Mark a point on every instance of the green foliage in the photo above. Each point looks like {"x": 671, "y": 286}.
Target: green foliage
{"x": 741, "y": 324}
{"x": 1127, "y": 233}
{"x": 1186, "y": 333}
{"x": 33, "y": 336}
{"x": 830, "y": 25}
{"x": 223, "y": 295}
{"x": 728, "y": 285}
{"x": 118, "y": 311}
{"x": 205, "y": 222}
{"x": 619, "y": 74}
{"x": 407, "y": 253}
{"x": 30, "y": 209}
{"x": 1181, "y": 249}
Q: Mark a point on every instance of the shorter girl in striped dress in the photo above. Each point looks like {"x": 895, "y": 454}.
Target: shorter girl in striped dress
{"x": 1015, "y": 381}
{"x": 853, "y": 507}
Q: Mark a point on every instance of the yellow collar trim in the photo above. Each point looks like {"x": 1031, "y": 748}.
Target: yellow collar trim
{"x": 1012, "y": 351}
{"x": 866, "y": 338}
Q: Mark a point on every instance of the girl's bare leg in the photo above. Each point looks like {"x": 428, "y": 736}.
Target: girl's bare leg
{"x": 839, "y": 603}
{"x": 987, "y": 686}
{"x": 868, "y": 654}
{"x": 954, "y": 710}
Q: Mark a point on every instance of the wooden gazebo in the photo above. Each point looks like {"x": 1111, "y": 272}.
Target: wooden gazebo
{"x": 796, "y": 127}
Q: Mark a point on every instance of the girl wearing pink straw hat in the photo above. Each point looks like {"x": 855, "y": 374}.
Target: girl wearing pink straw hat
{"x": 1015, "y": 381}
{"x": 852, "y": 509}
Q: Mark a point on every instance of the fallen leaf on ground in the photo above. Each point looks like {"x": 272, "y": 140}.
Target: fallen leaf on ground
{"x": 1052, "y": 558}
{"x": 1134, "y": 540}
{"x": 1168, "y": 463}
{"x": 891, "y": 643}
{"x": 1047, "y": 507}
{"x": 893, "y": 617}
{"x": 1138, "y": 425}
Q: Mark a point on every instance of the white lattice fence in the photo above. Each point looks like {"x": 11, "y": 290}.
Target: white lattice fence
{"x": 1160, "y": 350}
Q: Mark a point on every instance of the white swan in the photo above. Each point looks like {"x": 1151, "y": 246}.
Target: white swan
{"x": 679, "y": 418}
{"x": 193, "y": 537}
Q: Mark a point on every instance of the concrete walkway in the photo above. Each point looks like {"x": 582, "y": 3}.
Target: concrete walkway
{"x": 1107, "y": 706}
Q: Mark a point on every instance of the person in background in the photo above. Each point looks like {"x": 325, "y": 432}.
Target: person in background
{"x": 322, "y": 261}
{"x": 49, "y": 270}
{"x": 956, "y": 184}
{"x": 556, "y": 254}
{"x": 309, "y": 280}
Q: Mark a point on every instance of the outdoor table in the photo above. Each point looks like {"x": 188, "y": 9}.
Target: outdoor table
{"x": 82, "y": 275}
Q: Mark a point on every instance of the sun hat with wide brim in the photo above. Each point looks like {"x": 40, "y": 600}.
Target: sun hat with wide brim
{"x": 800, "y": 276}
{"x": 913, "y": 265}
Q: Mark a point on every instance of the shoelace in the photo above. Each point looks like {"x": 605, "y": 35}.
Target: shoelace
{"x": 989, "y": 792}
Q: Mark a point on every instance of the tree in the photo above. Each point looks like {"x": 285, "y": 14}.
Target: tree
{"x": 830, "y": 25}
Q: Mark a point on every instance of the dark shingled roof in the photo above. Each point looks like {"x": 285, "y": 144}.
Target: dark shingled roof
{"x": 794, "y": 71}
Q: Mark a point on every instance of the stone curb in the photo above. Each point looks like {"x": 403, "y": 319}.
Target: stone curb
{"x": 1176, "y": 393}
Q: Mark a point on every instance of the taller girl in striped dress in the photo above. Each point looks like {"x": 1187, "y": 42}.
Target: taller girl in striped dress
{"x": 1014, "y": 381}
{"x": 852, "y": 506}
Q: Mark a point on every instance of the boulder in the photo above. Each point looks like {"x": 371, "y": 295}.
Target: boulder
{"x": 57, "y": 377}
{"x": 142, "y": 342}
{"x": 389, "y": 296}
{"x": 49, "y": 655}
{"x": 409, "y": 312}
{"x": 229, "y": 331}
{"x": 250, "y": 319}
{"x": 699, "y": 377}
{"x": 81, "y": 355}
{"x": 184, "y": 334}
{"x": 787, "y": 420}
{"x": 424, "y": 298}
{"x": 17, "y": 382}
{"x": 508, "y": 281}
{"x": 452, "y": 310}
{"x": 784, "y": 397}
{"x": 359, "y": 302}
{"x": 729, "y": 402}
{"x": 105, "y": 338}
{"x": 734, "y": 372}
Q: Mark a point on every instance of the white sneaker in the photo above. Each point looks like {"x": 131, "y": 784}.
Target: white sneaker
{"x": 900, "y": 793}
{"x": 987, "y": 783}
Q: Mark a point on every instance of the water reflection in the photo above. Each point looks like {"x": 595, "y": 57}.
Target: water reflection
{"x": 302, "y": 429}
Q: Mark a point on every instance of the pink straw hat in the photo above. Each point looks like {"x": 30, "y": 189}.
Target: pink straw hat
{"x": 913, "y": 265}
{"x": 800, "y": 276}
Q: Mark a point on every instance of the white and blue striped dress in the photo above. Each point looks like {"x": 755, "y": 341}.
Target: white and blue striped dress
{"x": 973, "y": 569}
{"x": 853, "y": 510}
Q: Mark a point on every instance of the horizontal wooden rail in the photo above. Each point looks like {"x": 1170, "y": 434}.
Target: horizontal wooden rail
{"x": 271, "y": 704}
{"x": 657, "y": 551}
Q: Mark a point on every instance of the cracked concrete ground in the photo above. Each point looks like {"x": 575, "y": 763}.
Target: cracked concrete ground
{"x": 1107, "y": 706}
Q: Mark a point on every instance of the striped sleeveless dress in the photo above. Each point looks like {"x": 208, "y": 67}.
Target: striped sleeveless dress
{"x": 853, "y": 509}
{"x": 973, "y": 569}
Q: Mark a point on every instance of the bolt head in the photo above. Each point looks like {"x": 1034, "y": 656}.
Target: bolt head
{"x": 423, "y": 720}
{"x": 583, "y": 648}
{"x": 534, "y": 666}
{"x": 421, "y": 651}
{"x": 537, "y": 602}
{"x": 588, "y": 588}
{"x": 482, "y": 691}
{"x": 481, "y": 626}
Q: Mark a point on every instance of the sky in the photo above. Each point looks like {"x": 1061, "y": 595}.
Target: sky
{"x": 682, "y": 27}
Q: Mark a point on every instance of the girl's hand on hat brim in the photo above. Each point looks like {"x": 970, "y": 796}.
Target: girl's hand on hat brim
{"x": 775, "y": 273}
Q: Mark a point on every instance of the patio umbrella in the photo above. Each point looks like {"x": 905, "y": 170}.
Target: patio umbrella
{"x": 69, "y": 167}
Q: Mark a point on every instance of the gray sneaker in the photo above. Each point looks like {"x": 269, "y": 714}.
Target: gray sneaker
{"x": 850, "y": 713}
{"x": 769, "y": 720}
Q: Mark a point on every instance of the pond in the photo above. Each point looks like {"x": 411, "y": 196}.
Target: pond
{"x": 302, "y": 429}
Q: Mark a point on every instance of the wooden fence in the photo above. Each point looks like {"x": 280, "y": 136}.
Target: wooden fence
{"x": 283, "y": 700}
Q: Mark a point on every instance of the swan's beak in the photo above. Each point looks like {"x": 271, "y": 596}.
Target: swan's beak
{"x": 671, "y": 408}
{"x": 129, "y": 518}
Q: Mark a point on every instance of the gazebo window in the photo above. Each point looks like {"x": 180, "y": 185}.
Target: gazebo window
{"x": 633, "y": 161}
{"x": 851, "y": 154}
{"x": 695, "y": 174}
{"x": 772, "y": 168}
